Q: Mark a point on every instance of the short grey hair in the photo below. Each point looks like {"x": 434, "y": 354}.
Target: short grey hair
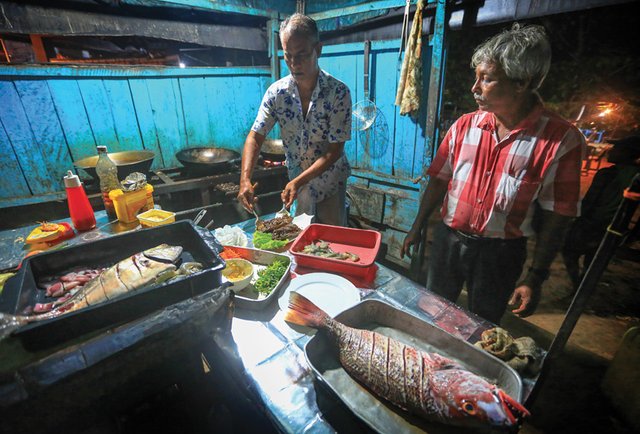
{"x": 523, "y": 52}
{"x": 299, "y": 24}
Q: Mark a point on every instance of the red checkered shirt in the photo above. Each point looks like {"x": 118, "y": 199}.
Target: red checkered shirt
{"x": 493, "y": 184}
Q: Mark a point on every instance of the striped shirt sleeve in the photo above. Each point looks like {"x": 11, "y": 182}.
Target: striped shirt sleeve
{"x": 442, "y": 165}
{"x": 560, "y": 190}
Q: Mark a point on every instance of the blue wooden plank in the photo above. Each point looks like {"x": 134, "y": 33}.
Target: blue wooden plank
{"x": 12, "y": 181}
{"x": 16, "y": 125}
{"x": 168, "y": 118}
{"x": 196, "y": 117}
{"x": 248, "y": 92}
{"x": 73, "y": 117}
{"x": 380, "y": 148}
{"x": 39, "y": 108}
{"x": 111, "y": 72}
{"x": 224, "y": 128}
{"x": 146, "y": 122}
{"x": 98, "y": 110}
{"x": 123, "y": 114}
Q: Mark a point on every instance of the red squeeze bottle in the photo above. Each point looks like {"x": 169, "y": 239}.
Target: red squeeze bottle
{"x": 80, "y": 209}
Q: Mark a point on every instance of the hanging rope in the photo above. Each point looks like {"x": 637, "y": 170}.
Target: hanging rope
{"x": 410, "y": 83}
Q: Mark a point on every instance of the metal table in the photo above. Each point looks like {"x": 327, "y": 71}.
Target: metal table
{"x": 269, "y": 354}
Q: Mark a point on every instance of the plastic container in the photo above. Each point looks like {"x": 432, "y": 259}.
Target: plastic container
{"x": 80, "y": 210}
{"x": 156, "y": 217}
{"x": 128, "y": 204}
{"x": 362, "y": 242}
{"x": 108, "y": 174}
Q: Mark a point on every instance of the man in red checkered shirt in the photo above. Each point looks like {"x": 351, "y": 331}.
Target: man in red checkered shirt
{"x": 493, "y": 169}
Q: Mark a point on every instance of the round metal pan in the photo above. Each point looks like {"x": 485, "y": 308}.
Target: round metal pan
{"x": 273, "y": 150}
{"x": 127, "y": 162}
{"x": 203, "y": 161}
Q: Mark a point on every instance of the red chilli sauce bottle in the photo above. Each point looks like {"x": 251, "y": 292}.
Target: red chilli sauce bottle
{"x": 108, "y": 173}
{"x": 80, "y": 210}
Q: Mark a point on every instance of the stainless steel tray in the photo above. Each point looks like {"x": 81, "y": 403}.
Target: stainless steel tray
{"x": 381, "y": 317}
{"x": 249, "y": 298}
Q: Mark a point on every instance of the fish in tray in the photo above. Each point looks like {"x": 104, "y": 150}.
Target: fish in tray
{"x": 151, "y": 266}
{"x": 425, "y": 384}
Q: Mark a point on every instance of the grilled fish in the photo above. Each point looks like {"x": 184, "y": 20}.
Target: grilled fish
{"x": 130, "y": 274}
{"x": 425, "y": 384}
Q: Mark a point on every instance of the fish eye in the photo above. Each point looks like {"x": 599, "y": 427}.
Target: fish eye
{"x": 469, "y": 407}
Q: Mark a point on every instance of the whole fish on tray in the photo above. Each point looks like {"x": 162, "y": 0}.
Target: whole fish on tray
{"x": 139, "y": 270}
{"x": 425, "y": 384}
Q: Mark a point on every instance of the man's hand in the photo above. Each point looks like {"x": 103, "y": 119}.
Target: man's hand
{"x": 525, "y": 299}
{"x": 289, "y": 193}
{"x": 246, "y": 195}
{"x": 412, "y": 238}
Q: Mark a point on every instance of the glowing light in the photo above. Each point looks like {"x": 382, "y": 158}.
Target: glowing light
{"x": 605, "y": 112}
{"x": 182, "y": 65}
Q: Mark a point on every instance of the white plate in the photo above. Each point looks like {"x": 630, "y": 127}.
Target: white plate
{"x": 329, "y": 292}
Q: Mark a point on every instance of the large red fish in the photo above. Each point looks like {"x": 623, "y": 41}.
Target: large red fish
{"x": 425, "y": 384}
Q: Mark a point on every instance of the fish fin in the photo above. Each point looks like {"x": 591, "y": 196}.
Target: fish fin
{"x": 304, "y": 312}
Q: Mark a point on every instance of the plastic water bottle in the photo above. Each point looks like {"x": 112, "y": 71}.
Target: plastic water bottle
{"x": 108, "y": 173}
{"x": 80, "y": 209}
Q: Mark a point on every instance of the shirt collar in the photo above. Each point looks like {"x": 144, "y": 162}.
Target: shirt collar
{"x": 487, "y": 120}
{"x": 320, "y": 84}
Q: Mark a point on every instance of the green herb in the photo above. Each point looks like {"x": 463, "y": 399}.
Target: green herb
{"x": 263, "y": 240}
{"x": 269, "y": 277}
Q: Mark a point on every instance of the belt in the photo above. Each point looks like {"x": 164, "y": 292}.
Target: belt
{"x": 473, "y": 238}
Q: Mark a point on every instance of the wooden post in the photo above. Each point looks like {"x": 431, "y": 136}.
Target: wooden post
{"x": 38, "y": 49}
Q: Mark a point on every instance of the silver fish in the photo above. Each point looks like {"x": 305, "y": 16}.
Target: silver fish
{"x": 130, "y": 274}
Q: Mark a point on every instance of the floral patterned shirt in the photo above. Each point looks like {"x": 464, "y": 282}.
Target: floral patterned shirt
{"x": 307, "y": 138}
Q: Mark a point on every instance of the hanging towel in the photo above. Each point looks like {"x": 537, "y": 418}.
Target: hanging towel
{"x": 410, "y": 84}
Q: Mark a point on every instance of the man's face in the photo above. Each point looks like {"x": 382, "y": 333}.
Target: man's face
{"x": 494, "y": 91}
{"x": 301, "y": 56}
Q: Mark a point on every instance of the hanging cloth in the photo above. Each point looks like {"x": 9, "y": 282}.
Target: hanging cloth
{"x": 410, "y": 84}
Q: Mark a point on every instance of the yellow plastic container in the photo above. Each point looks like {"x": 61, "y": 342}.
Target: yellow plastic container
{"x": 131, "y": 203}
{"x": 156, "y": 217}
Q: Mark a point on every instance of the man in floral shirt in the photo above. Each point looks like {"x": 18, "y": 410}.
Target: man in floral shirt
{"x": 313, "y": 110}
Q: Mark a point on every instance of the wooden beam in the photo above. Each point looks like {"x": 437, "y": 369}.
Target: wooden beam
{"x": 38, "y": 49}
{"x": 34, "y": 19}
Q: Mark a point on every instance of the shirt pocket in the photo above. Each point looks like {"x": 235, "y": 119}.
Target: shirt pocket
{"x": 512, "y": 191}
{"x": 319, "y": 129}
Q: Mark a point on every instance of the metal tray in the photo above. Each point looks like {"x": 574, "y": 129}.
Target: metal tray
{"x": 21, "y": 291}
{"x": 249, "y": 298}
{"x": 381, "y": 317}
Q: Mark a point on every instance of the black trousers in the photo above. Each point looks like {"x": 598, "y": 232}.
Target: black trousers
{"x": 489, "y": 266}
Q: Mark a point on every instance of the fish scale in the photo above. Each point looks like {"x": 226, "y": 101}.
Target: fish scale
{"x": 426, "y": 384}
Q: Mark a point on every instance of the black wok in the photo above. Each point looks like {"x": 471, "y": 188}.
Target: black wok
{"x": 273, "y": 150}
{"x": 126, "y": 161}
{"x": 204, "y": 161}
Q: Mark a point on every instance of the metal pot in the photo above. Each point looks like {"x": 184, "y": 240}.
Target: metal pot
{"x": 203, "y": 161}
{"x": 273, "y": 150}
{"x": 126, "y": 161}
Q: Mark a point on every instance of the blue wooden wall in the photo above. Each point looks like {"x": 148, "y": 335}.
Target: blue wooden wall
{"x": 54, "y": 115}
{"x": 51, "y": 116}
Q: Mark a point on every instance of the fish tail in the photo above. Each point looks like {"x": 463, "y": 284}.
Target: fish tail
{"x": 9, "y": 323}
{"x": 304, "y": 312}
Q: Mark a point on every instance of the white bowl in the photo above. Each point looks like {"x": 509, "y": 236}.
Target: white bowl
{"x": 242, "y": 271}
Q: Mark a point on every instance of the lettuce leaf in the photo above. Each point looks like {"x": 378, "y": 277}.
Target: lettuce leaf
{"x": 264, "y": 241}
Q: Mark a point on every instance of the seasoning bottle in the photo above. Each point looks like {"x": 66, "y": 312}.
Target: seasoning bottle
{"x": 108, "y": 173}
{"x": 80, "y": 209}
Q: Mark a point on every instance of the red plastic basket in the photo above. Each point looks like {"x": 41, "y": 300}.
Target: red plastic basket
{"x": 362, "y": 242}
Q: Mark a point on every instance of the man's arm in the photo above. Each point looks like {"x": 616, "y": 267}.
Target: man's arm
{"x": 250, "y": 153}
{"x": 334, "y": 152}
{"x": 431, "y": 200}
{"x": 548, "y": 241}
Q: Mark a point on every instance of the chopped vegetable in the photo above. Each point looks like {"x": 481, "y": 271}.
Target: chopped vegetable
{"x": 270, "y": 276}
{"x": 262, "y": 240}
